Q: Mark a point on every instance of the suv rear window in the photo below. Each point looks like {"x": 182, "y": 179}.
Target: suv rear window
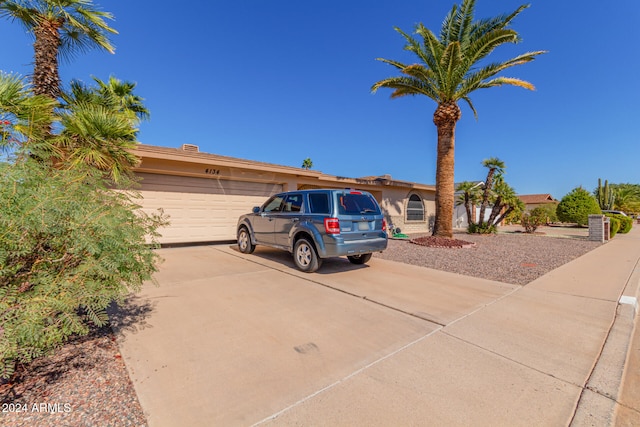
{"x": 319, "y": 203}
{"x": 357, "y": 204}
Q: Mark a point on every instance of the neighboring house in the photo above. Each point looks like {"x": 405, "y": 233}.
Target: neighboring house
{"x": 204, "y": 194}
{"x": 532, "y": 201}
{"x": 460, "y": 212}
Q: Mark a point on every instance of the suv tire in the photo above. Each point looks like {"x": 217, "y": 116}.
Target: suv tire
{"x": 244, "y": 241}
{"x": 305, "y": 256}
{"x": 359, "y": 259}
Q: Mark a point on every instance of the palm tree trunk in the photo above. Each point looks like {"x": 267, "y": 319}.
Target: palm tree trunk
{"x": 467, "y": 207}
{"x": 497, "y": 207}
{"x": 445, "y": 182}
{"x": 445, "y": 118}
{"x": 485, "y": 195}
{"x": 504, "y": 214}
{"x": 46, "y": 80}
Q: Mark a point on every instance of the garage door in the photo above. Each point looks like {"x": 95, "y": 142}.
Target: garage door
{"x": 201, "y": 209}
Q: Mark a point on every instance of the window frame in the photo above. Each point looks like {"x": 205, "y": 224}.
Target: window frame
{"x": 414, "y": 210}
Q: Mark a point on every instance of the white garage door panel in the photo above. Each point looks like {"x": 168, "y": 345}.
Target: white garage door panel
{"x": 201, "y": 209}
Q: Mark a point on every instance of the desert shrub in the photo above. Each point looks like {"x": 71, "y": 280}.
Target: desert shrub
{"x": 547, "y": 211}
{"x": 69, "y": 246}
{"x": 614, "y": 226}
{"x": 576, "y": 206}
{"x": 625, "y": 222}
{"x": 532, "y": 220}
{"x": 483, "y": 228}
{"x": 514, "y": 217}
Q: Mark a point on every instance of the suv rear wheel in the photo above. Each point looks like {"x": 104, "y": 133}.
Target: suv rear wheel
{"x": 305, "y": 256}
{"x": 244, "y": 241}
{"x": 359, "y": 259}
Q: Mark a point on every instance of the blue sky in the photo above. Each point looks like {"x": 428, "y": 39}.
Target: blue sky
{"x": 283, "y": 80}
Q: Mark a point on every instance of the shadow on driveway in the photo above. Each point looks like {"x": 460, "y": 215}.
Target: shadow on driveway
{"x": 284, "y": 258}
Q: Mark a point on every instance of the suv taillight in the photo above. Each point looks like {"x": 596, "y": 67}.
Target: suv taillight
{"x": 384, "y": 226}
{"x": 332, "y": 226}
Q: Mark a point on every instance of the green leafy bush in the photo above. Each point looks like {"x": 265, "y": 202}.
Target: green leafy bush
{"x": 614, "y": 226}
{"x": 69, "y": 246}
{"x": 576, "y": 206}
{"x": 483, "y": 228}
{"x": 546, "y": 211}
{"x": 625, "y": 222}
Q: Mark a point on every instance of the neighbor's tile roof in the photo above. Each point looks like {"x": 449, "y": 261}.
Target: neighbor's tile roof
{"x": 536, "y": 198}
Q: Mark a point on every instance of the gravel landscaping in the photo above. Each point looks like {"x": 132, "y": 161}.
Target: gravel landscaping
{"x": 515, "y": 258}
{"x": 86, "y": 382}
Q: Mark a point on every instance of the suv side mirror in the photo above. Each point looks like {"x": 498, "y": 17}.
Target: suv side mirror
{"x": 256, "y": 209}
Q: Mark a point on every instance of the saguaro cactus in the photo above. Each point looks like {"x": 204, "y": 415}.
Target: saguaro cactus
{"x": 605, "y": 195}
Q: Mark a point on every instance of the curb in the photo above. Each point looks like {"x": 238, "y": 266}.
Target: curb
{"x": 600, "y": 401}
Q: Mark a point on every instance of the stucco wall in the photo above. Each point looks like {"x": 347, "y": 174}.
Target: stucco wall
{"x": 394, "y": 206}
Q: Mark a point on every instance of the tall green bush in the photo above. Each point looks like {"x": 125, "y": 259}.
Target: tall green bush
{"x": 576, "y": 206}
{"x": 69, "y": 246}
{"x": 625, "y": 222}
{"x": 614, "y": 226}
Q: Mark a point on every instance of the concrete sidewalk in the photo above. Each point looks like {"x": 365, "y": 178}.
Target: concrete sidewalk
{"x": 234, "y": 339}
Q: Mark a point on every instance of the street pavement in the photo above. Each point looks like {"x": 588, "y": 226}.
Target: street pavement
{"x": 229, "y": 339}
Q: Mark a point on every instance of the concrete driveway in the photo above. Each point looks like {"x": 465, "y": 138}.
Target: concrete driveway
{"x": 232, "y": 339}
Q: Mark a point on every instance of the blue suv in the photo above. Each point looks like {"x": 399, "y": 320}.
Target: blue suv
{"x": 316, "y": 224}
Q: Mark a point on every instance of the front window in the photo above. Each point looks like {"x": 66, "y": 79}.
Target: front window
{"x": 274, "y": 204}
{"x": 415, "y": 208}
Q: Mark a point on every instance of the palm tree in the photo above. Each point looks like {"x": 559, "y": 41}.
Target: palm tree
{"x": 496, "y": 166}
{"x": 99, "y": 137}
{"x": 93, "y": 131}
{"x": 61, "y": 28}
{"x": 505, "y": 202}
{"x": 450, "y": 70}
{"x": 114, "y": 94}
{"x": 307, "y": 163}
{"x": 120, "y": 94}
{"x": 469, "y": 196}
{"x": 627, "y": 197}
{"x": 100, "y": 126}
{"x": 24, "y": 116}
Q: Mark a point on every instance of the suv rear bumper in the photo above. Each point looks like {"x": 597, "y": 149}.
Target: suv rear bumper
{"x": 334, "y": 246}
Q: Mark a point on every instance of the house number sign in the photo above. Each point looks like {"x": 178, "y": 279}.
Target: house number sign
{"x": 209, "y": 171}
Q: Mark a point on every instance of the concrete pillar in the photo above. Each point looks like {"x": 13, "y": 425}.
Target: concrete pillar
{"x": 598, "y": 228}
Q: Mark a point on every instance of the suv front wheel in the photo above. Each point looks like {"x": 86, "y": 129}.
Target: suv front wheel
{"x": 305, "y": 257}
{"x": 244, "y": 241}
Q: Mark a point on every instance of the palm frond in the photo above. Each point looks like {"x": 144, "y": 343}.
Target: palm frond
{"x": 483, "y": 46}
{"x": 433, "y": 49}
{"x": 398, "y": 65}
{"x": 450, "y": 64}
{"x": 483, "y": 26}
{"x": 406, "y": 86}
{"x": 466, "y": 99}
{"x": 501, "y": 81}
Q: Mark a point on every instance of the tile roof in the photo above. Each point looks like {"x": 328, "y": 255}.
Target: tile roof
{"x": 536, "y": 198}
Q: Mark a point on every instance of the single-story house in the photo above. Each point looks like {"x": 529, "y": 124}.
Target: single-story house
{"x": 204, "y": 194}
{"x": 532, "y": 201}
{"x": 460, "y": 219}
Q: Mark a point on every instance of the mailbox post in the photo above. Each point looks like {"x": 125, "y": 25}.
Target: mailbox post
{"x": 598, "y": 228}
